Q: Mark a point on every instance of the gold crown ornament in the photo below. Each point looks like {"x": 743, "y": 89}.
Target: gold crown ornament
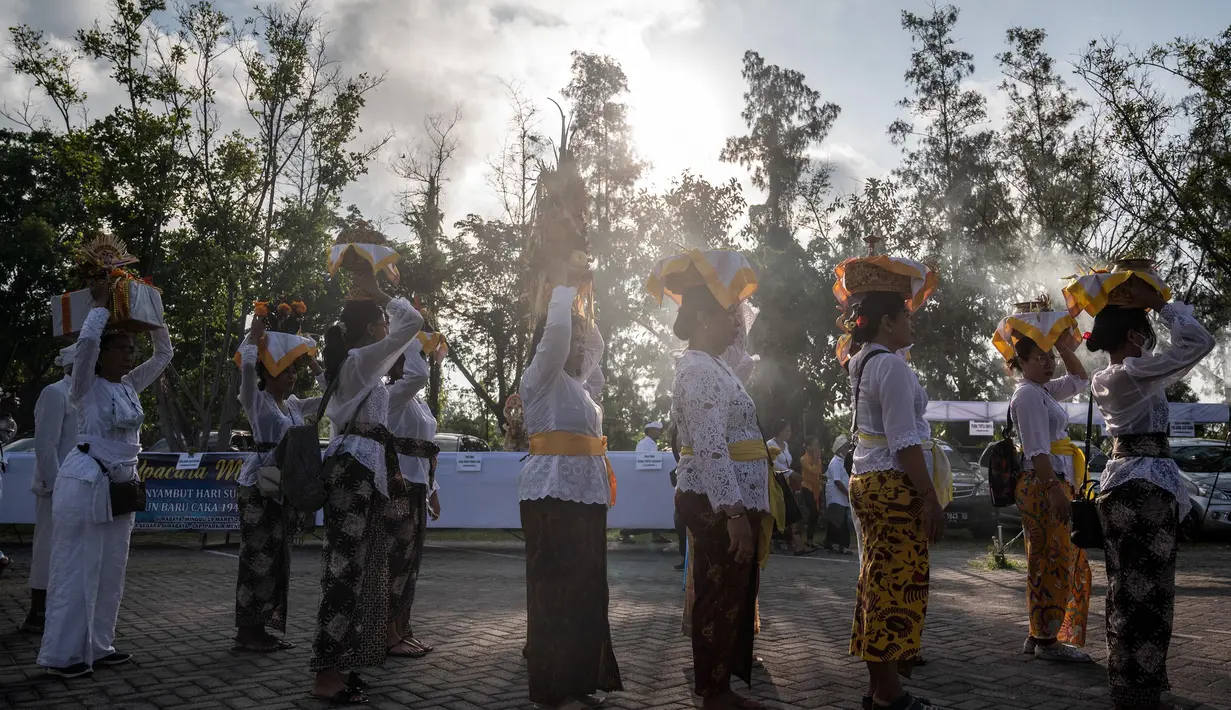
{"x": 106, "y": 252}
{"x": 1095, "y": 289}
{"x": 857, "y": 276}
{"x": 1035, "y": 320}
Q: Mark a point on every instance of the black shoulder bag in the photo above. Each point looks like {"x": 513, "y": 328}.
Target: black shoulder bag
{"x": 849, "y": 460}
{"x": 299, "y": 457}
{"x": 1087, "y": 527}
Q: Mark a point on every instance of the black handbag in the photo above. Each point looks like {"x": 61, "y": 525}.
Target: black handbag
{"x": 1086, "y": 526}
{"x": 126, "y": 497}
{"x": 1004, "y": 466}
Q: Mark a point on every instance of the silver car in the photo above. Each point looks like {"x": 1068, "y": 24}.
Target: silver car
{"x": 1206, "y": 467}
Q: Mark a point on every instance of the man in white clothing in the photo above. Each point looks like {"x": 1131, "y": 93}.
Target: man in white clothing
{"x": 55, "y": 434}
{"x": 649, "y": 444}
{"x": 838, "y": 508}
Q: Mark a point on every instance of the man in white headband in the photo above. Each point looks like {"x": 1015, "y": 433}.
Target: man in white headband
{"x": 55, "y": 434}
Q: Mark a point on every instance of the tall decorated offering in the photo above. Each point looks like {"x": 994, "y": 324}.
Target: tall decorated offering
{"x": 135, "y": 304}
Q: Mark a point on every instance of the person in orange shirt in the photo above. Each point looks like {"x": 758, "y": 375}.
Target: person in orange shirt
{"x": 812, "y": 466}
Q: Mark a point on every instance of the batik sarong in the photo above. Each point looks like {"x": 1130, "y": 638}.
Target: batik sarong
{"x": 568, "y": 636}
{"x": 267, "y": 531}
{"x": 354, "y": 609}
{"x": 1140, "y": 529}
{"x": 724, "y": 598}
{"x": 1058, "y": 573}
{"x": 408, "y": 502}
{"x": 892, "y": 596}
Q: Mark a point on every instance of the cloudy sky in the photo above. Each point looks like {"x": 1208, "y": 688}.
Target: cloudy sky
{"x": 682, "y": 58}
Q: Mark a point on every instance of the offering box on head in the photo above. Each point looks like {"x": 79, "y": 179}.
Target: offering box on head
{"x": 135, "y": 306}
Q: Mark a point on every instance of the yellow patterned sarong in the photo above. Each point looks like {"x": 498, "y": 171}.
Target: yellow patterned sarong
{"x": 892, "y": 597}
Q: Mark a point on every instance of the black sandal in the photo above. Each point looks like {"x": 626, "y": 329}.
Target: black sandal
{"x": 348, "y": 696}
{"x": 354, "y": 682}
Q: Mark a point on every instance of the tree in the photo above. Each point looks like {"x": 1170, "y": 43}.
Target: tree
{"x": 786, "y": 121}
{"x": 957, "y": 213}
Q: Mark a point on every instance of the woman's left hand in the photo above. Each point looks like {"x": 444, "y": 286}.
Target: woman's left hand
{"x": 433, "y": 505}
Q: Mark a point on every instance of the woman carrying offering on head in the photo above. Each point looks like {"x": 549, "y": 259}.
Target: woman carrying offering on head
{"x": 1142, "y": 498}
{"x": 1053, "y": 469}
{"x": 900, "y": 480}
{"x": 268, "y": 525}
{"x": 411, "y": 421}
{"x": 89, "y": 546}
{"x": 724, "y": 474}
{"x": 565, "y": 489}
{"x": 353, "y": 625}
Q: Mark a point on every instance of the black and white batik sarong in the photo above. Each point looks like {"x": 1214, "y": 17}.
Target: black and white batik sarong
{"x": 1140, "y": 527}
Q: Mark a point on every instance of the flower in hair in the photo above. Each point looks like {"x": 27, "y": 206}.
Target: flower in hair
{"x": 260, "y": 308}
{"x": 861, "y": 322}
{"x": 1085, "y": 335}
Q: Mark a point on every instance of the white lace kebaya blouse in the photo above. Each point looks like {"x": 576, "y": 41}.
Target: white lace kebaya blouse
{"x": 361, "y": 393}
{"x": 409, "y": 415}
{"x": 891, "y": 404}
{"x": 1039, "y": 420}
{"x": 269, "y": 421}
{"x": 557, "y": 401}
{"x": 1132, "y": 397}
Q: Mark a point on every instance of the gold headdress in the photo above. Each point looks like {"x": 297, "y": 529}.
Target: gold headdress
{"x": 857, "y": 276}
{"x": 727, "y": 274}
{"x": 1035, "y": 320}
{"x": 362, "y": 246}
{"x": 1096, "y": 288}
{"x": 106, "y": 252}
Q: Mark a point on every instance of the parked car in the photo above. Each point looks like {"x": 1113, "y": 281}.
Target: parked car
{"x": 240, "y": 441}
{"x": 17, "y": 445}
{"x": 448, "y": 442}
{"x": 971, "y": 508}
{"x": 1206, "y": 467}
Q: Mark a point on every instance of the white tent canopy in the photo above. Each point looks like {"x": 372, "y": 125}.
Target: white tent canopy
{"x": 1200, "y": 413}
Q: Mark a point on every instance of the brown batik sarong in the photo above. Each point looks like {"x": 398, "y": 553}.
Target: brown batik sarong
{"x": 354, "y": 609}
{"x": 724, "y": 598}
{"x": 267, "y": 531}
{"x": 568, "y": 646}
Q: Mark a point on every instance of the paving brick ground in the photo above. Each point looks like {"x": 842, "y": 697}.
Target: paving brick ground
{"x": 178, "y": 608}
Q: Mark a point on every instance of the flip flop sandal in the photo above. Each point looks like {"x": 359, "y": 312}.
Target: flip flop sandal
{"x": 418, "y": 644}
{"x": 354, "y": 682}
{"x": 403, "y": 654}
{"x": 349, "y": 696}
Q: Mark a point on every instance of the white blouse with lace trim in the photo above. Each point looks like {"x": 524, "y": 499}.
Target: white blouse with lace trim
{"x": 712, "y": 409}
{"x": 1039, "y": 420}
{"x": 891, "y": 404}
{"x": 361, "y": 393}
{"x": 1132, "y": 397}
{"x": 557, "y": 401}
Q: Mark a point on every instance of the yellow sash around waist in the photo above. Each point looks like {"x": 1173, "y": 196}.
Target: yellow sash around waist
{"x": 942, "y": 474}
{"x": 566, "y": 443}
{"x": 754, "y": 450}
{"x": 1066, "y": 447}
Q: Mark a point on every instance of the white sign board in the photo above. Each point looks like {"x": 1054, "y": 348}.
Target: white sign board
{"x": 470, "y": 462}
{"x": 650, "y": 461}
{"x": 982, "y": 428}
{"x": 188, "y": 462}
{"x": 1184, "y": 429}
